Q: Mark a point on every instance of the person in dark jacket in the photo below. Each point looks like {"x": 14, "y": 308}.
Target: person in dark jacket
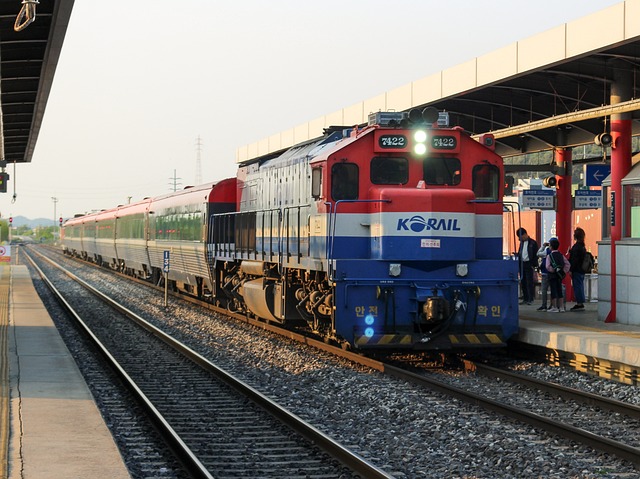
{"x": 528, "y": 256}
{"x": 556, "y": 261}
{"x": 576, "y": 257}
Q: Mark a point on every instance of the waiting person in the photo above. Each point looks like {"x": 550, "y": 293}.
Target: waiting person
{"x": 543, "y": 252}
{"x": 557, "y": 267}
{"x": 527, "y": 254}
{"x": 576, "y": 257}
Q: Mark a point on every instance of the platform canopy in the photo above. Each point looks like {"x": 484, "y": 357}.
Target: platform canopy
{"x": 28, "y": 60}
{"x": 524, "y": 93}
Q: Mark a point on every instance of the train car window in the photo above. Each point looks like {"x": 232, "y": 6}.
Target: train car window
{"x": 344, "y": 181}
{"x": 130, "y": 227}
{"x": 139, "y": 227}
{"x": 486, "y": 182}
{"x": 442, "y": 171}
{"x": 316, "y": 183}
{"x": 152, "y": 233}
{"x": 105, "y": 229}
{"x": 167, "y": 225}
{"x": 90, "y": 230}
{"x": 389, "y": 171}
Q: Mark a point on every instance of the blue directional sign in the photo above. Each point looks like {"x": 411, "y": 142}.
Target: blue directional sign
{"x": 538, "y": 199}
{"x": 588, "y": 199}
{"x": 166, "y": 261}
{"x": 594, "y": 174}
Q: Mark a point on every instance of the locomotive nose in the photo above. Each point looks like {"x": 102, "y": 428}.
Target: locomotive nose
{"x": 420, "y": 224}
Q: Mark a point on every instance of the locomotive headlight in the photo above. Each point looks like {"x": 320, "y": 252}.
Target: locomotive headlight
{"x": 369, "y": 319}
{"x": 420, "y": 142}
{"x": 420, "y": 149}
{"x": 368, "y": 332}
{"x": 420, "y": 136}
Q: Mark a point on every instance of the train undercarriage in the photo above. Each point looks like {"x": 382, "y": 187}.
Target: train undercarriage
{"x": 292, "y": 299}
{"x": 296, "y": 299}
{"x": 305, "y": 301}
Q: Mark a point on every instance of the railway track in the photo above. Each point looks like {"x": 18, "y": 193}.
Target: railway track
{"x": 217, "y": 425}
{"x": 605, "y": 424}
{"x": 482, "y": 395}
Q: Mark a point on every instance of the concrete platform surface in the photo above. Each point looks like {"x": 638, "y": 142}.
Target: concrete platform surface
{"x": 581, "y": 332}
{"x": 56, "y": 430}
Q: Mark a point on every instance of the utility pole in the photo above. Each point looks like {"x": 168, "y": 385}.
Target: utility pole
{"x": 174, "y": 182}
{"x": 55, "y": 201}
{"x": 198, "y": 161}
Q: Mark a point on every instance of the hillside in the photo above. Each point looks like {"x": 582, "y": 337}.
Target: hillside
{"x": 23, "y": 221}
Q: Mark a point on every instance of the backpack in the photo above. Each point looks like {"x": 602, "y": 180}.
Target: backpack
{"x": 587, "y": 262}
{"x": 542, "y": 262}
{"x": 557, "y": 268}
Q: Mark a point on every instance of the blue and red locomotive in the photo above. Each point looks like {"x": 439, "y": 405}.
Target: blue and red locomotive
{"x": 382, "y": 237}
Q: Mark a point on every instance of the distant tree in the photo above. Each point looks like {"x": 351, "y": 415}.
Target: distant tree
{"x": 24, "y": 230}
{"x": 4, "y": 230}
{"x": 45, "y": 233}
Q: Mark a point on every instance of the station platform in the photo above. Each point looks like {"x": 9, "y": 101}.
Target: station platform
{"x": 50, "y": 426}
{"x": 607, "y": 349}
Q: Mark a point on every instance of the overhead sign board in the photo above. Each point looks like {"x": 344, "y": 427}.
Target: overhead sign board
{"x": 588, "y": 199}
{"x": 538, "y": 199}
{"x": 595, "y": 174}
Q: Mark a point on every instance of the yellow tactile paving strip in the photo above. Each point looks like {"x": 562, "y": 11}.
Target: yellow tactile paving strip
{"x": 602, "y": 329}
{"x": 5, "y": 279}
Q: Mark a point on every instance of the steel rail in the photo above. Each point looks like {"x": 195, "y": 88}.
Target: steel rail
{"x": 585, "y": 397}
{"x": 182, "y": 451}
{"x": 573, "y": 433}
{"x": 350, "y": 459}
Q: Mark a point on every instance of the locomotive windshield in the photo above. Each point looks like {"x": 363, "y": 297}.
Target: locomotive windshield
{"x": 442, "y": 171}
{"x": 344, "y": 181}
{"x": 389, "y": 171}
{"x": 486, "y": 182}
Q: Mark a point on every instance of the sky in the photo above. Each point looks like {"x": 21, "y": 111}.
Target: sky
{"x": 138, "y": 83}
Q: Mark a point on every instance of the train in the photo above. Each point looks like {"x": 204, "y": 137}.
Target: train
{"x": 386, "y": 236}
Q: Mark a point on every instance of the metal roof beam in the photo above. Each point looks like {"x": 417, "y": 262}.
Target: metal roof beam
{"x": 598, "y": 112}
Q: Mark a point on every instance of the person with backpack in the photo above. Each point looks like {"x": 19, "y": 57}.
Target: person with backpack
{"x": 543, "y": 252}
{"x": 557, "y": 268}
{"x": 577, "y": 255}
